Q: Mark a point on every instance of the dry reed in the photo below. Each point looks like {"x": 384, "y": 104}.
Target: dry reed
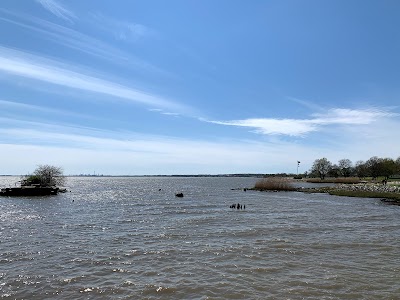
{"x": 274, "y": 184}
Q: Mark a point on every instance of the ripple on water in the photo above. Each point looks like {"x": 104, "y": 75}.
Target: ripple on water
{"x": 123, "y": 238}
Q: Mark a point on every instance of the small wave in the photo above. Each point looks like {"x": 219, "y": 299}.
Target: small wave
{"x": 158, "y": 290}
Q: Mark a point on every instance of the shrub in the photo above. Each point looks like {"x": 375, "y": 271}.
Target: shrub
{"x": 45, "y": 175}
{"x": 31, "y": 180}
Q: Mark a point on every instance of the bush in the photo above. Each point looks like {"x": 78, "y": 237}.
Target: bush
{"x": 274, "y": 184}
{"x": 45, "y": 175}
{"x": 31, "y": 180}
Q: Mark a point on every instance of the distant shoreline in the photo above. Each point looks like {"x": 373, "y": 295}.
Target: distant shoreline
{"x": 187, "y": 175}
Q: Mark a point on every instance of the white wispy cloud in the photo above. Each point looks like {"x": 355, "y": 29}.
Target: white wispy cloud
{"x": 307, "y": 104}
{"x": 122, "y": 152}
{"x": 57, "y": 9}
{"x": 121, "y": 30}
{"x": 78, "y": 150}
{"x": 63, "y": 35}
{"x": 170, "y": 114}
{"x": 28, "y": 143}
{"x": 79, "y": 41}
{"x": 351, "y": 116}
{"x": 38, "y": 68}
{"x": 157, "y": 110}
{"x": 289, "y": 127}
{"x": 301, "y": 127}
{"x": 7, "y": 106}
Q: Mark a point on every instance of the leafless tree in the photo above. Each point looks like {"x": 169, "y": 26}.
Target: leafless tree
{"x": 346, "y": 167}
{"x": 321, "y": 167}
{"x": 46, "y": 175}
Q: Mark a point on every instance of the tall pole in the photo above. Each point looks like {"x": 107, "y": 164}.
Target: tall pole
{"x": 298, "y": 164}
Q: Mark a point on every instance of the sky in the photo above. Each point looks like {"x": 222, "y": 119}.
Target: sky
{"x": 197, "y": 87}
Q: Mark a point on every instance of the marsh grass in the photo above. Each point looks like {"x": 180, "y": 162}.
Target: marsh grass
{"x": 274, "y": 184}
{"x": 345, "y": 180}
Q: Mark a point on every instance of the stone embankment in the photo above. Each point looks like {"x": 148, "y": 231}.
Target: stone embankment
{"x": 370, "y": 187}
{"x": 389, "y": 193}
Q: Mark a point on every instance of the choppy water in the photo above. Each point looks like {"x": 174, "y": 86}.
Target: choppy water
{"x": 123, "y": 238}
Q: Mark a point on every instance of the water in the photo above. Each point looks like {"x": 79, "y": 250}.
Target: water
{"x": 123, "y": 238}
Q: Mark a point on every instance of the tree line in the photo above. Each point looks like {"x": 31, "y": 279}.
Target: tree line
{"x": 374, "y": 167}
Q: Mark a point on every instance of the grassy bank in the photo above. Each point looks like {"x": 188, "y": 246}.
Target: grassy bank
{"x": 365, "y": 194}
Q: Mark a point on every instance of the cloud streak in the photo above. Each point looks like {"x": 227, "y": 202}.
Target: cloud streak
{"x": 299, "y": 127}
{"x": 124, "y": 152}
{"x": 122, "y": 30}
{"x": 79, "y": 41}
{"x": 6, "y": 105}
{"x": 129, "y": 153}
{"x": 30, "y": 66}
{"x": 78, "y": 150}
{"x": 289, "y": 127}
{"x": 57, "y": 9}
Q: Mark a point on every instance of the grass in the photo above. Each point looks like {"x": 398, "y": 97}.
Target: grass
{"x": 364, "y": 194}
{"x": 346, "y": 180}
{"x": 274, "y": 184}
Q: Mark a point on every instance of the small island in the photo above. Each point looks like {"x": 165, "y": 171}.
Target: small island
{"x": 45, "y": 180}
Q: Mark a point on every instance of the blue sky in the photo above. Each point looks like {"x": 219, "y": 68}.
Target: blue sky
{"x": 197, "y": 87}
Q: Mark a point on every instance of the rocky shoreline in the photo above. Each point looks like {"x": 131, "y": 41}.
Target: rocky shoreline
{"x": 370, "y": 187}
{"x": 389, "y": 193}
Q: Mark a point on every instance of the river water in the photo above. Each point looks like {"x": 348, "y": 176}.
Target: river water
{"x": 131, "y": 238}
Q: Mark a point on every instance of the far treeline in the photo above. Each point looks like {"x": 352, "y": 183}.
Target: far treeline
{"x": 374, "y": 167}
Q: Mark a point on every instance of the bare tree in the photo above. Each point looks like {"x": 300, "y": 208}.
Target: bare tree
{"x": 46, "y": 175}
{"x": 361, "y": 169}
{"x": 374, "y": 166}
{"x": 346, "y": 167}
{"x": 388, "y": 167}
{"x": 398, "y": 165}
{"x": 321, "y": 167}
{"x": 334, "y": 171}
